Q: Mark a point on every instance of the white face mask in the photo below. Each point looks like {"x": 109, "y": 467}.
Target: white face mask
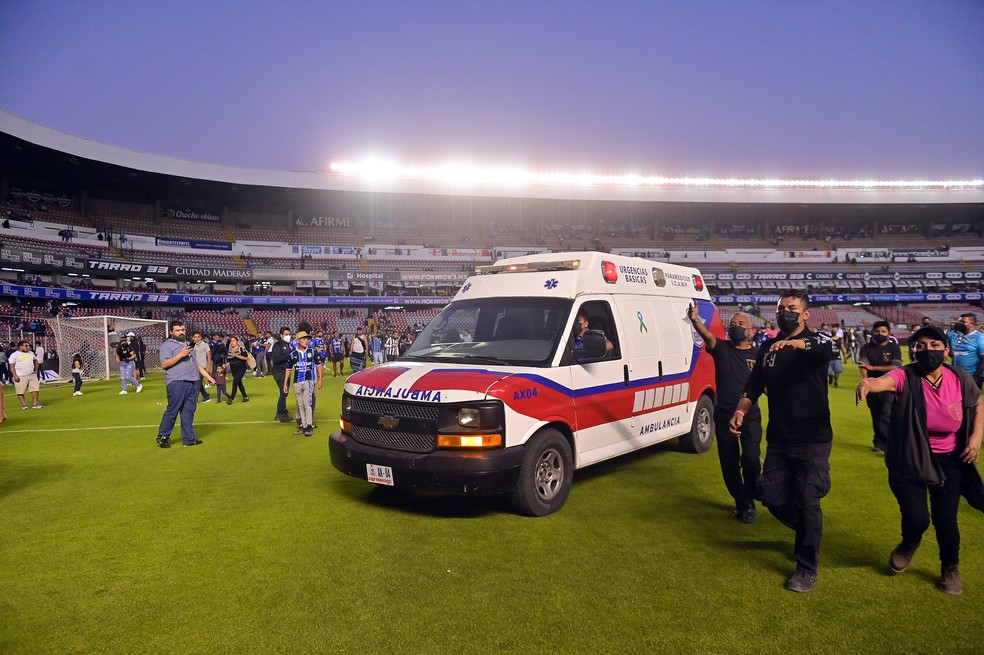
{"x": 286, "y": 338}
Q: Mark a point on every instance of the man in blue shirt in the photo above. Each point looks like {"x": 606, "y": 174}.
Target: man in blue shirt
{"x": 336, "y": 351}
{"x": 306, "y": 363}
{"x": 181, "y": 375}
{"x": 967, "y": 346}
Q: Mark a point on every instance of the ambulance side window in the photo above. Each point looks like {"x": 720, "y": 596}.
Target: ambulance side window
{"x": 599, "y": 316}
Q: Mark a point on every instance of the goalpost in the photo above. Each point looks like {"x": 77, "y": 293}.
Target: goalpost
{"x": 94, "y": 339}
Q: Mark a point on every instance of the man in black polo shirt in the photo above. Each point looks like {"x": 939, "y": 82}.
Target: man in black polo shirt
{"x": 878, "y": 357}
{"x": 796, "y": 474}
{"x": 734, "y": 360}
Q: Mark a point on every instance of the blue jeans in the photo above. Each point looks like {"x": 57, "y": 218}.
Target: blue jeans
{"x": 126, "y": 374}
{"x": 182, "y": 399}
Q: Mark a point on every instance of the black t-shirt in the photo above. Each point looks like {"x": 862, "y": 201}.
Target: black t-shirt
{"x": 880, "y": 355}
{"x": 733, "y": 367}
{"x": 124, "y": 352}
{"x": 220, "y": 352}
{"x": 835, "y": 347}
{"x": 799, "y": 411}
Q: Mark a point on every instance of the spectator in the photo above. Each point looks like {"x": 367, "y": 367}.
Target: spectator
{"x": 280, "y": 356}
{"x": 77, "y": 369}
{"x": 238, "y": 357}
{"x": 23, "y": 366}
{"x": 931, "y": 449}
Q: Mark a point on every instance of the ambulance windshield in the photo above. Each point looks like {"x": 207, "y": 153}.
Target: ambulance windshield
{"x": 509, "y": 331}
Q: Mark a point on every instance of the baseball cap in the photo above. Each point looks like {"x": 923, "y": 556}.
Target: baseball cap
{"x": 301, "y": 335}
{"x": 930, "y": 331}
{"x": 130, "y": 334}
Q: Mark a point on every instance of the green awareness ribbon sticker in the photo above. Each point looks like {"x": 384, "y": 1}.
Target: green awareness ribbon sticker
{"x": 642, "y": 323}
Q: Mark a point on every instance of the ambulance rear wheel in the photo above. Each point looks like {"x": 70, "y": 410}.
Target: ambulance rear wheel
{"x": 701, "y": 434}
{"x": 545, "y": 476}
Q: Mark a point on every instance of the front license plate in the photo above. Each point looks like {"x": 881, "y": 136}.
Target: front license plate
{"x": 379, "y": 474}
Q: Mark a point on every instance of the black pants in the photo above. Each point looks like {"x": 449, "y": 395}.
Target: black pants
{"x": 278, "y": 378}
{"x": 880, "y": 406}
{"x": 78, "y": 382}
{"x": 794, "y": 479}
{"x": 739, "y": 456}
{"x": 943, "y": 503}
{"x": 238, "y": 373}
{"x": 201, "y": 389}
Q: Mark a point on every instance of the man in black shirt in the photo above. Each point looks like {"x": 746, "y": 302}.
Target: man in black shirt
{"x": 796, "y": 474}
{"x": 280, "y": 361}
{"x": 739, "y": 456}
{"x": 878, "y": 357}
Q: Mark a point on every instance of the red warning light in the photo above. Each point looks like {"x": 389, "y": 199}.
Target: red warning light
{"x": 698, "y": 283}
{"x": 610, "y": 272}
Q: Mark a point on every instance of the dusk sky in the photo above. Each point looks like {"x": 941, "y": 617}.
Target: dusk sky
{"x": 852, "y": 90}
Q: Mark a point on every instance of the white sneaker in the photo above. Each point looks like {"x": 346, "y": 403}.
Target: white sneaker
{"x": 122, "y": 393}
{"x": 36, "y": 406}
{"x": 207, "y": 400}
{"x": 77, "y": 393}
{"x": 139, "y": 388}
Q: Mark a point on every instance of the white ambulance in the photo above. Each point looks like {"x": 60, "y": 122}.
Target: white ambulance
{"x": 505, "y": 391}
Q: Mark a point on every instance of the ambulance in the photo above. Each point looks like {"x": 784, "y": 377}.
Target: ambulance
{"x": 508, "y": 391}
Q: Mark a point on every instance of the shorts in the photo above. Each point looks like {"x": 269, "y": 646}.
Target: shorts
{"x": 337, "y": 357}
{"x": 27, "y": 383}
{"x": 836, "y": 367}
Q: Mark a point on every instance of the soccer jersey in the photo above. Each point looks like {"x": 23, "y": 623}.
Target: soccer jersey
{"x": 966, "y": 349}
{"x": 944, "y": 408}
{"x": 304, "y": 363}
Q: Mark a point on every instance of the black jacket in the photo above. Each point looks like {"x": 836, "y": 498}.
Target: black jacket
{"x": 907, "y": 453}
{"x": 279, "y": 354}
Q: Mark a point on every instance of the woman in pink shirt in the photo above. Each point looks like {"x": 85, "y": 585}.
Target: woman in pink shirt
{"x": 933, "y": 444}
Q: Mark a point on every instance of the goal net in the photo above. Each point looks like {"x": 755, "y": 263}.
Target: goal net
{"x": 94, "y": 339}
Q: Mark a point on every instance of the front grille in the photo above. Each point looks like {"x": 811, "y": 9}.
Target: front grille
{"x": 388, "y": 408}
{"x": 408, "y": 441}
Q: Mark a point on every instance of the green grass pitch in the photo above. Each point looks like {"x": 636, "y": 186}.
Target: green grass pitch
{"x": 253, "y": 543}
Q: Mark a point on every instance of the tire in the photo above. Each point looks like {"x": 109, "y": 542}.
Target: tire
{"x": 701, "y": 434}
{"x": 545, "y": 476}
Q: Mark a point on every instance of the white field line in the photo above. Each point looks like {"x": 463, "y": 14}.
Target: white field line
{"x": 130, "y": 427}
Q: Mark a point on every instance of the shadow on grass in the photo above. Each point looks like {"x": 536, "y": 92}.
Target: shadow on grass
{"x": 622, "y": 461}
{"x": 419, "y": 502}
{"x": 18, "y": 478}
{"x": 455, "y": 506}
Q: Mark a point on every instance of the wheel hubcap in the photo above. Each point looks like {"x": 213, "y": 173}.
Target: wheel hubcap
{"x": 549, "y": 474}
{"x": 704, "y": 426}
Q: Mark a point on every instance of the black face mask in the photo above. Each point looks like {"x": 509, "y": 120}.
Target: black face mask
{"x": 929, "y": 360}
{"x": 960, "y": 327}
{"x": 879, "y": 338}
{"x": 736, "y": 334}
{"x": 787, "y": 321}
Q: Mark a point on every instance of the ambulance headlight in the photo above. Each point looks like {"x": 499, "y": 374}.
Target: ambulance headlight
{"x": 469, "y": 417}
{"x": 471, "y": 425}
{"x": 346, "y": 404}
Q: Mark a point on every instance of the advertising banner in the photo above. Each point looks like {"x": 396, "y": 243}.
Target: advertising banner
{"x": 22, "y": 291}
{"x": 190, "y": 214}
{"x": 193, "y": 244}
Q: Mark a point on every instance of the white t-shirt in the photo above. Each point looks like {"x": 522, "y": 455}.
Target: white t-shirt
{"x": 23, "y": 363}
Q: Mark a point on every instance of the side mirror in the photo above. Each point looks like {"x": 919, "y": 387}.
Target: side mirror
{"x": 594, "y": 347}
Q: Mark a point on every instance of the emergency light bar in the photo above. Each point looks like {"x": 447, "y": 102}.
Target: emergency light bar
{"x": 565, "y": 265}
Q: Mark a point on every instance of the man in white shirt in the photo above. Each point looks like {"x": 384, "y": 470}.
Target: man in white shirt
{"x": 39, "y": 352}
{"x": 24, "y": 368}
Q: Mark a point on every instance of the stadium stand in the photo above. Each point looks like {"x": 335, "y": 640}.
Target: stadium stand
{"x": 361, "y": 250}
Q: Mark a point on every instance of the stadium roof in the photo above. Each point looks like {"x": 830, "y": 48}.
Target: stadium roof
{"x": 503, "y": 183}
